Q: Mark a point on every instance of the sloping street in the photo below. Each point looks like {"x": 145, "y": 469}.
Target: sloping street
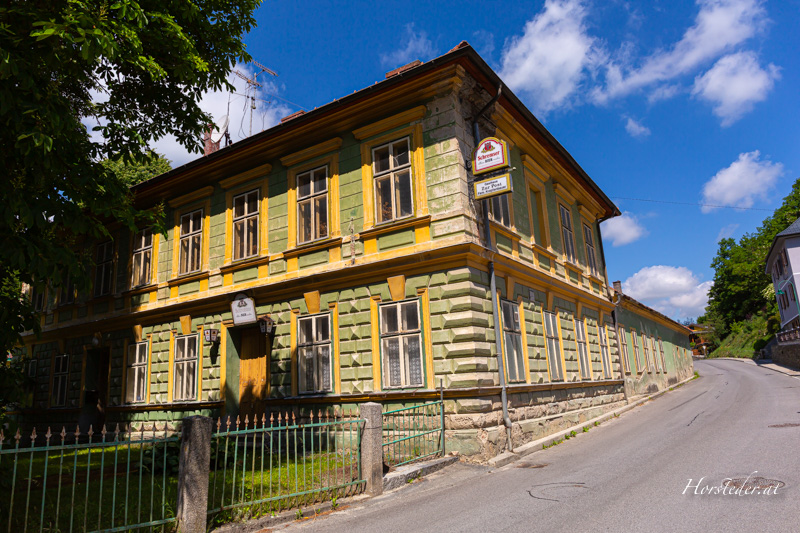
{"x": 644, "y": 471}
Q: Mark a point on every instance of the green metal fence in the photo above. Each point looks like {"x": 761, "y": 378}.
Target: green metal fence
{"x": 98, "y": 481}
{"x": 413, "y": 433}
{"x": 262, "y": 467}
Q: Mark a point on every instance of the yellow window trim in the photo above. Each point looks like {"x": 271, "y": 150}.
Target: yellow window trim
{"x": 293, "y": 349}
{"x": 588, "y": 216}
{"x": 418, "y": 179}
{"x": 223, "y": 366}
{"x": 332, "y": 162}
{"x": 333, "y": 307}
{"x": 561, "y": 345}
{"x": 171, "y": 362}
{"x": 376, "y": 128}
{"x": 263, "y": 190}
{"x": 199, "y": 378}
{"x": 313, "y": 151}
{"x": 561, "y": 191}
{"x": 522, "y": 327}
{"x": 377, "y": 371}
{"x": 422, "y": 294}
{"x": 255, "y": 172}
{"x": 199, "y": 194}
{"x": 204, "y": 244}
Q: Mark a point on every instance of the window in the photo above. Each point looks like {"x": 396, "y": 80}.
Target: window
{"x": 604, "y": 352}
{"x": 245, "y": 225}
{"x": 401, "y": 344}
{"x": 142, "y": 257}
{"x": 191, "y": 237}
{"x": 553, "y": 346}
{"x": 314, "y": 353}
{"x": 38, "y": 299}
{"x": 499, "y": 210}
{"x": 566, "y": 234}
{"x": 185, "y": 387}
{"x": 104, "y": 269}
{"x": 136, "y": 375}
{"x": 512, "y": 342}
{"x": 791, "y": 292}
{"x": 785, "y": 259}
{"x": 67, "y": 292}
{"x": 583, "y": 355}
{"x": 635, "y": 342}
{"x": 623, "y": 341}
{"x": 656, "y": 362}
{"x": 392, "y": 174}
{"x": 588, "y": 237}
{"x": 648, "y": 362}
{"x": 32, "y": 366}
{"x": 661, "y": 352}
{"x": 58, "y": 392}
{"x": 312, "y": 205}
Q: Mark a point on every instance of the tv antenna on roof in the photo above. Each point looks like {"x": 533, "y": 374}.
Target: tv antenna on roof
{"x": 252, "y": 83}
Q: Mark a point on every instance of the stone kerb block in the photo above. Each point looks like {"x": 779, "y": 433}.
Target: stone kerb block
{"x": 193, "y": 469}
{"x": 372, "y": 447}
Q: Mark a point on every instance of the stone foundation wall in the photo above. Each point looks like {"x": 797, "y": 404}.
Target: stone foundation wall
{"x": 787, "y": 355}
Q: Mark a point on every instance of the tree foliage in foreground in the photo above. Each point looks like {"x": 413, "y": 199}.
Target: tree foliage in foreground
{"x": 740, "y": 282}
{"x": 133, "y": 173}
{"x": 82, "y": 81}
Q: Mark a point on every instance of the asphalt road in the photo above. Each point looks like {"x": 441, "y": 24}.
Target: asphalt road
{"x": 629, "y": 474}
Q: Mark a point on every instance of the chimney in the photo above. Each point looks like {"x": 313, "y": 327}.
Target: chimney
{"x": 618, "y": 287}
{"x": 209, "y": 146}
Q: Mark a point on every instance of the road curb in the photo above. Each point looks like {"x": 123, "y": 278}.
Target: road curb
{"x": 407, "y": 473}
{"x": 772, "y": 366}
{"x": 538, "y": 445}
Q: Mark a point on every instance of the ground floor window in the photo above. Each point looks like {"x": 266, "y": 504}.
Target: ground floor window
{"x": 401, "y": 344}
{"x": 553, "y": 346}
{"x": 314, "y": 353}
{"x": 636, "y": 353}
{"x": 661, "y": 352}
{"x": 604, "y": 351}
{"x": 136, "y": 373}
{"x": 583, "y": 354}
{"x": 647, "y": 360}
{"x": 58, "y": 392}
{"x": 512, "y": 342}
{"x": 623, "y": 342}
{"x": 185, "y": 387}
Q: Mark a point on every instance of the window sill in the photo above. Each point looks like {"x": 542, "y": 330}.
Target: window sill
{"x": 140, "y": 289}
{"x": 510, "y": 232}
{"x": 187, "y": 278}
{"x": 244, "y": 263}
{"x": 389, "y": 227}
{"x": 313, "y": 246}
{"x": 538, "y": 248}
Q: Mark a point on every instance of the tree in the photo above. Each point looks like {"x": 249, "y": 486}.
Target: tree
{"x": 136, "y": 172}
{"x": 82, "y": 81}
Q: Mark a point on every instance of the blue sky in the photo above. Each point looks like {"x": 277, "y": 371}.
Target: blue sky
{"x": 679, "y": 103}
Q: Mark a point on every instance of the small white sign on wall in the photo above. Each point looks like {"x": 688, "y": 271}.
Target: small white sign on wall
{"x": 490, "y": 154}
{"x": 243, "y": 309}
{"x": 493, "y": 187}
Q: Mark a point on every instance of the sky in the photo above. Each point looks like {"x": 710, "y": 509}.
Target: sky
{"x": 686, "y": 113}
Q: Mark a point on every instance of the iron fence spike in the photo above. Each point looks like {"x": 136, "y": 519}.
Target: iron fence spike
{"x": 48, "y": 434}
{"x": 116, "y": 430}
{"x": 17, "y": 436}
{"x": 90, "y": 432}
{"x": 33, "y": 435}
{"x": 77, "y": 431}
{"x": 63, "y": 433}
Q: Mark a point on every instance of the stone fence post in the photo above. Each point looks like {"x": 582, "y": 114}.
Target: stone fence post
{"x": 372, "y": 447}
{"x": 193, "y": 470}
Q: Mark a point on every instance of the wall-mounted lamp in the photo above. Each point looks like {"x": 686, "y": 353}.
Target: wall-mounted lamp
{"x": 211, "y": 335}
{"x": 267, "y": 325}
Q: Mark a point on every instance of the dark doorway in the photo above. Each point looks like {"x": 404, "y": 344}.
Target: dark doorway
{"x": 95, "y": 389}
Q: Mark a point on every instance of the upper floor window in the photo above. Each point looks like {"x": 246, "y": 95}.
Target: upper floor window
{"x": 314, "y": 353}
{"x": 553, "y": 346}
{"x": 136, "y": 373}
{"x": 401, "y": 344}
{"x": 312, "y": 205}
{"x": 185, "y": 372}
{"x": 512, "y": 342}
{"x": 588, "y": 238}
{"x": 104, "y": 269}
{"x": 392, "y": 175}
{"x": 245, "y": 225}
{"x": 191, "y": 239}
{"x": 67, "y": 292}
{"x": 785, "y": 257}
{"x": 499, "y": 210}
{"x": 38, "y": 298}
{"x": 142, "y": 257}
{"x": 58, "y": 391}
{"x": 583, "y": 353}
{"x": 566, "y": 233}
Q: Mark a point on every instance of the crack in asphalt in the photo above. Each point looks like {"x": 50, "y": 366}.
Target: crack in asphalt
{"x": 695, "y": 418}
{"x": 689, "y": 400}
{"x": 575, "y": 484}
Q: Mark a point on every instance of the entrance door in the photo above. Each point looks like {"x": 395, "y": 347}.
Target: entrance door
{"x": 95, "y": 392}
{"x": 253, "y": 374}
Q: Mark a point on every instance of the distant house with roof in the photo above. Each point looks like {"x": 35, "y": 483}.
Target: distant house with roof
{"x": 783, "y": 264}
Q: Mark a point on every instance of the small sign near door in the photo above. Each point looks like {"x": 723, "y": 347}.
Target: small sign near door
{"x": 243, "y": 309}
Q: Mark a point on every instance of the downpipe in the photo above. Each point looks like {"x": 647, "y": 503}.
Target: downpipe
{"x": 493, "y": 285}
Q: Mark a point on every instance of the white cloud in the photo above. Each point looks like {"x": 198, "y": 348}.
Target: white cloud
{"x": 675, "y": 291}
{"x": 623, "y": 229}
{"x": 547, "y": 62}
{"x": 720, "y": 25}
{"x": 734, "y": 84}
{"x": 664, "y": 92}
{"x": 636, "y": 129}
{"x": 741, "y": 183}
{"x": 727, "y": 231}
{"x": 417, "y": 46}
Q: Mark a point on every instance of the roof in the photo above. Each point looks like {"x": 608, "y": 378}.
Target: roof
{"x": 791, "y": 230}
{"x": 463, "y": 54}
{"x": 664, "y": 318}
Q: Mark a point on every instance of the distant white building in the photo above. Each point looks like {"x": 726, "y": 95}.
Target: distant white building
{"x": 783, "y": 264}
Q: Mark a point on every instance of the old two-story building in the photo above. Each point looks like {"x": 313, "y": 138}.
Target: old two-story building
{"x": 783, "y": 265}
{"x": 340, "y": 257}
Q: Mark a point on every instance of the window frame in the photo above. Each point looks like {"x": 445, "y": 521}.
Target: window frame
{"x": 500, "y": 202}
{"x": 513, "y": 330}
{"x": 647, "y": 360}
{"x": 314, "y": 344}
{"x": 582, "y": 348}
{"x": 104, "y": 269}
{"x": 661, "y": 352}
{"x": 193, "y": 233}
{"x": 567, "y": 234}
{"x": 186, "y": 361}
{"x": 310, "y": 199}
{"x": 245, "y": 219}
{"x": 59, "y": 380}
{"x": 136, "y": 368}
{"x": 605, "y": 351}
{"x": 139, "y": 251}
{"x": 640, "y": 368}
{"x": 623, "y": 341}
{"x": 591, "y": 258}
{"x": 404, "y": 362}
{"x": 67, "y": 294}
{"x": 656, "y": 363}
{"x": 554, "y": 355}
{"x": 391, "y": 172}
